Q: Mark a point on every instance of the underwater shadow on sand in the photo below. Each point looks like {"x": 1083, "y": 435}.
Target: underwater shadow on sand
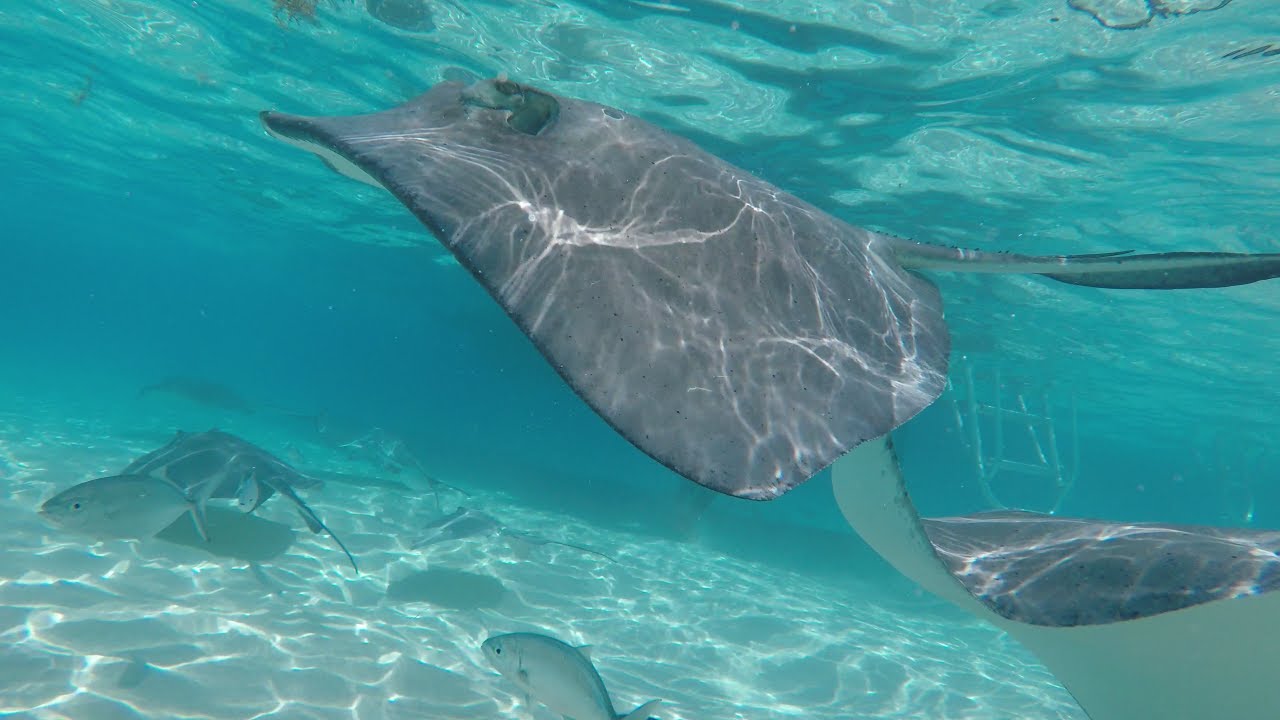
{"x": 232, "y": 534}
{"x": 454, "y": 589}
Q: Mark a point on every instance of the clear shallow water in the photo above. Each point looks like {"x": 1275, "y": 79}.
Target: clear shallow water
{"x": 152, "y": 228}
{"x": 281, "y": 629}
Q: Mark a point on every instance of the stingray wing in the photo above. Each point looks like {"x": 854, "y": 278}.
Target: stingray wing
{"x": 739, "y": 336}
{"x": 1198, "y": 659}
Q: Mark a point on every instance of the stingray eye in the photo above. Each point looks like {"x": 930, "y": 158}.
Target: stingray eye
{"x": 536, "y": 112}
{"x": 506, "y": 87}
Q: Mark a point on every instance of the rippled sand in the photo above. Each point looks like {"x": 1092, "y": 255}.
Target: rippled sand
{"x": 278, "y": 625}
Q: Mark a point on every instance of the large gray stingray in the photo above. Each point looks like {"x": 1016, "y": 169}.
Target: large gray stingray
{"x": 218, "y": 396}
{"x": 737, "y": 334}
{"x": 217, "y": 464}
{"x": 1136, "y": 620}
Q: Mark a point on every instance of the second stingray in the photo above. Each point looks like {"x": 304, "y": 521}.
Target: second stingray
{"x": 218, "y": 465}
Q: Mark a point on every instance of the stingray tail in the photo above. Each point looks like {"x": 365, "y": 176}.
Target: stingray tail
{"x": 642, "y": 712}
{"x": 1116, "y": 270}
{"x": 597, "y": 553}
{"x": 433, "y": 482}
{"x": 313, "y": 521}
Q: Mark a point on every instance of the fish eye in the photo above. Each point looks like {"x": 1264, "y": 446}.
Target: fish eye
{"x": 75, "y": 506}
{"x": 497, "y": 650}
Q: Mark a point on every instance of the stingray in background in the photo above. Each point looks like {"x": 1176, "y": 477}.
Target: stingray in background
{"x": 388, "y": 452}
{"x": 737, "y": 334}
{"x": 219, "y": 397}
{"x": 218, "y": 465}
{"x": 202, "y": 392}
{"x": 465, "y": 523}
{"x": 1136, "y": 620}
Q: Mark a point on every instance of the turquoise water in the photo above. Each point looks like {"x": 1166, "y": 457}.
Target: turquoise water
{"x": 153, "y": 229}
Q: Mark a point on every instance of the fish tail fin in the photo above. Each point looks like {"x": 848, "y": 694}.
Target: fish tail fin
{"x": 195, "y": 506}
{"x": 579, "y": 548}
{"x": 642, "y": 712}
{"x": 1115, "y": 270}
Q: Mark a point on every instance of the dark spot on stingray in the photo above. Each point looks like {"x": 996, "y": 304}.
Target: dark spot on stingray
{"x": 232, "y": 534}
{"x": 454, "y": 589}
{"x": 411, "y": 15}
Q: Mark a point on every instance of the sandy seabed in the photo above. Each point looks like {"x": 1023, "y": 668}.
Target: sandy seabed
{"x": 271, "y": 622}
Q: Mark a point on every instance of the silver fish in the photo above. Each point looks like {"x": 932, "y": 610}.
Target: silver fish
{"x": 558, "y": 675}
{"x": 122, "y": 506}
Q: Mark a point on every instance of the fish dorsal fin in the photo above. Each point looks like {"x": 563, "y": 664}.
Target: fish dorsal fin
{"x": 642, "y": 712}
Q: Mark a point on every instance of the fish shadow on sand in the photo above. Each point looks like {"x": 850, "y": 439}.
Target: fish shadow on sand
{"x": 444, "y": 587}
{"x": 232, "y": 534}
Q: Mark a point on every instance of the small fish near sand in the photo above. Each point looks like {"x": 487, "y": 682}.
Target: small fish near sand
{"x": 122, "y": 506}
{"x": 557, "y": 675}
{"x": 467, "y": 523}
